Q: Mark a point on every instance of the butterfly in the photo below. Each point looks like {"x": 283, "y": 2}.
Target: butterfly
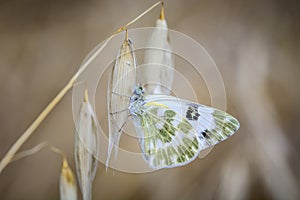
{"x": 172, "y": 131}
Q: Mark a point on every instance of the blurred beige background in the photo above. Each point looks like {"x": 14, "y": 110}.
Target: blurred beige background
{"x": 256, "y": 46}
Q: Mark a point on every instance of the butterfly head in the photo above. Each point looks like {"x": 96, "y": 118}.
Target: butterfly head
{"x": 138, "y": 94}
{"x": 139, "y": 90}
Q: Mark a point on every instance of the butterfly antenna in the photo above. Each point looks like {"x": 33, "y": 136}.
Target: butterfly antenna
{"x": 122, "y": 95}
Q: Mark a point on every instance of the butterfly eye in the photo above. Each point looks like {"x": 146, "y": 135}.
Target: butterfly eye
{"x": 138, "y": 91}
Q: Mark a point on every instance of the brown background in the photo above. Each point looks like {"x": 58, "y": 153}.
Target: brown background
{"x": 256, "y": 46}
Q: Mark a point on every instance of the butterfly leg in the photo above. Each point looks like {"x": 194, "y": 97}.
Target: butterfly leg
{"x": 121, "y": 128}
{"x": 113, "y": 113}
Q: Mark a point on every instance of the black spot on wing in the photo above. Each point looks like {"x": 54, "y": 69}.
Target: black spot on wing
{"x": 192, "y": 112}
{"x": 205, "y": 133}
{"x": 189, "y": 116}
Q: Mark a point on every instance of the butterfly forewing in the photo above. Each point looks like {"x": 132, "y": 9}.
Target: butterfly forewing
{"x": 174, "y": 131}
{"x": 211, "y": 124}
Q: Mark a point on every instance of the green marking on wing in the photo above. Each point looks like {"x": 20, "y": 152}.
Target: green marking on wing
{"x": 154, "y": 111}
{"x": 163, "y": 147}
{"x": 224, "y": 126}
{"x": 225, "y": 121}
{"x": 169, "y": 114}
{"x": 188, "y": 153}
{"x": 167, "y": 132}
{"x": 184, "y": 126}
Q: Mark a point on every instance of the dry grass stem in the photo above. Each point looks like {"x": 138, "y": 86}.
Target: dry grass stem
{"x": 35, "y": 150}
{"x": 29, "y": 152}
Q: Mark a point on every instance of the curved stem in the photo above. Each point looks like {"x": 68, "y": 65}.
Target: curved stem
{"x": 24, "y": 137}
{"x": 16, "y": 146}
{"x": 36, "y": 149}
{"x": 29, "y": 152}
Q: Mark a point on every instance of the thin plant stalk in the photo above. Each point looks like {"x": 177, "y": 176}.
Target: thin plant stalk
{"x": 24, "y": 137}
{"x": 36, "y": 149}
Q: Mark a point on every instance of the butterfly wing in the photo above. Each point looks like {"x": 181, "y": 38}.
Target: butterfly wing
{"x": 191, "y": 128}
{"x": 212, "y": 125}
{"x": 205, "y": 152}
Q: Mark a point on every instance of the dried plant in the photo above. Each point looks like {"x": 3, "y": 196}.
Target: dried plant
{"x": 25, "y": 136}
{"x": 86, "y": 147}
{"x": 158, "y": 59}
{"x": 121, "y": 85}
{"x": 67, "y": 183}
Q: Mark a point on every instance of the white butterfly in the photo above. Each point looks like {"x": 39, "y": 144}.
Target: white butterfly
{"x": 172, "y": 131}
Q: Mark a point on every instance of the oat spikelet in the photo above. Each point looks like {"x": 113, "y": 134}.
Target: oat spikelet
{"x": 67, "y": 183}
{"x": 159, "y": 68}
{"x": 121, "y": 85}
{"x": 86, "y": 148}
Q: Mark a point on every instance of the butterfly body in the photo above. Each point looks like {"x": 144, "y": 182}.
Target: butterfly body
{"x": 172, "y": 131}
{"x": 137, "y": 100}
